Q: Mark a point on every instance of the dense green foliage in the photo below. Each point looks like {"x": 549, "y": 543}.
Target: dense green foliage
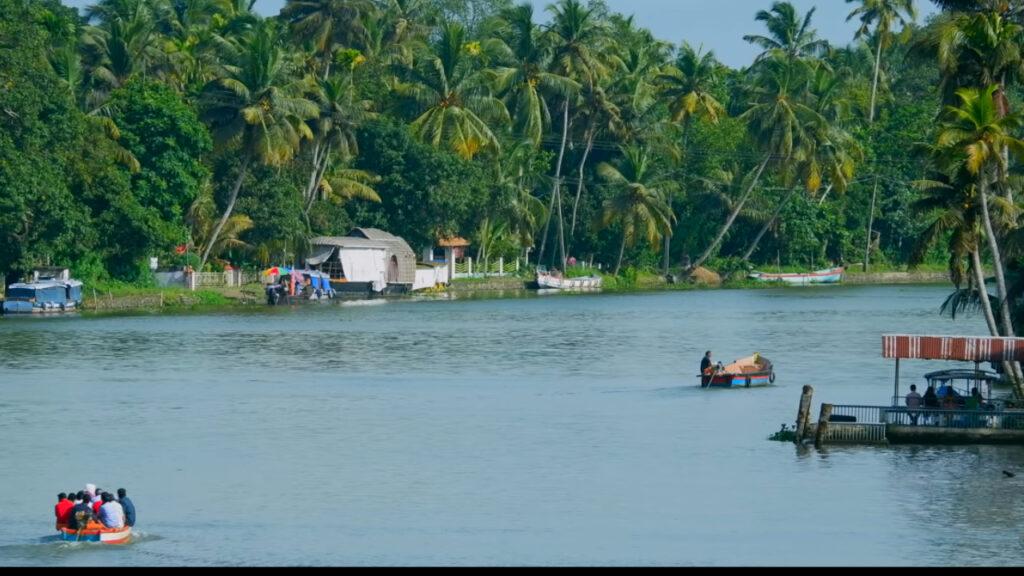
{"x": 145, "y": 127}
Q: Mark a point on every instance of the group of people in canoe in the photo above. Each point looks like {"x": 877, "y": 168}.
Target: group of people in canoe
{"x": 94, "y": 509}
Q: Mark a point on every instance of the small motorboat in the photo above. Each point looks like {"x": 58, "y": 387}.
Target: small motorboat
{"x": 748, "y": 372}
{"x": 96, "y": 533}
{"x": 830, "y": 276}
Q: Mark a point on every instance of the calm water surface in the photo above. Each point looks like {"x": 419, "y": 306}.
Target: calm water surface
{"x": 551, "y": 430}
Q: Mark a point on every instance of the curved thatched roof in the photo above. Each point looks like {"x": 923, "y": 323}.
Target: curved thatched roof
{"x": 376, "y": 238}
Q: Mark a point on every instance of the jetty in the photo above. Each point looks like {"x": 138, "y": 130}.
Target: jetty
{"x": 961, "y": 418}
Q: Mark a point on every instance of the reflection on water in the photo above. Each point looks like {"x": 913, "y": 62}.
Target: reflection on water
{"x": 544, "y": 430}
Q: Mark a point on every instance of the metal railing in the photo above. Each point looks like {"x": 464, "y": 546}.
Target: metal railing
{"x": 839, "y": 432}
{"x": 955, "y": 418}
{"x": 469, "y": 268}
{"x": 855, "y": 414}
{"x": 856, "y": 424}
{"x": 227, "y": 278}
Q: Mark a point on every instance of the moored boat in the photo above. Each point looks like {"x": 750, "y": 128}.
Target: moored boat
{"x": 44, "y": 295}
{"x": 830, "y": 276}
{"x": 556, "y": 281}
{"x": 295, "y": 286}
{"x": 94, "y": 533}
{"x": 747, "y": 372}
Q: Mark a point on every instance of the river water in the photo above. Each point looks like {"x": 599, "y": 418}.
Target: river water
{"x": 558, "y": 430}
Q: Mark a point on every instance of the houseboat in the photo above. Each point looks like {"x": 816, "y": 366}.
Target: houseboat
{"x": 367, "y": 262}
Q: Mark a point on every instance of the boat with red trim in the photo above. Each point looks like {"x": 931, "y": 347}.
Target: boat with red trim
{"x": 747, "y": 372}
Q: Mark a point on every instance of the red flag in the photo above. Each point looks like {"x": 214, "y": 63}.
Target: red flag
{"x": 180, "y": 249}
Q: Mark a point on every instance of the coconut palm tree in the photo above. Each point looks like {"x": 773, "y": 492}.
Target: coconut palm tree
{"x": 976, "y": 49}
{"x": 831, "y": 157}
{"x": 524, "y": 78}
{"x": 256, "y": 105}
{"x": 687, "y": 87}
{"x": 328, "y": 25}
{"x": 202, "y": 217}
{"x": 341, "y": 113}
{"x": 576, "y": 37}
{"x": 788, "y": 34}
{"x": 524, "y": 213}
{"x": 828, "y": 154}
{"x": 779, "y": 121}
{"x": 882, "y": 16}
{"x": 973, "y": 135}
{"x": 344, "y": 184}
{"x": 396, "y": 30}
{"x": 192, "y": 46}
{"x": 953, "y": 211}
{"x": 598, "y": 115}
{"x": 456, "y": 109}
{"x": 637, "y": 203}
{"x": 122, "y": 44}
{"x": 637, "y": 59}
{"x": 952, "y": 206}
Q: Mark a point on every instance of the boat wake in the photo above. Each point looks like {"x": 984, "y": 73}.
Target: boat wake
{"x": 364, "y": 303}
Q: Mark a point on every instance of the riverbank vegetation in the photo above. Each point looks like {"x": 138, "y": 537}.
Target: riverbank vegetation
{"x": 201, "y": 132}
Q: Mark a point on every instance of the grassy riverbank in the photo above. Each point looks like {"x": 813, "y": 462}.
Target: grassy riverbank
{"x": 112, "y": 297}
{"x": 117, "y": 296}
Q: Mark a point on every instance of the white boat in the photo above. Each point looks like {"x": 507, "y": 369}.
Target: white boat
{"x": 547, "y": 280}
{"x": 830, "y": 276}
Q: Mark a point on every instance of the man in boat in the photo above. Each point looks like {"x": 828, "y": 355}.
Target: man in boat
{"x": 706, "y": 369}
{"x": 63, "y": 509}
{"x": 111, "y": 513}
{"x": 81, "y": 514}
{"x": 127, "y": 506}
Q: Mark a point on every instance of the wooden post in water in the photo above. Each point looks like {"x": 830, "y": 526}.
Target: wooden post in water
{"x": 896, "y": 385}
{"x": 803, "y": 414}
{"x": 823, "y": 418}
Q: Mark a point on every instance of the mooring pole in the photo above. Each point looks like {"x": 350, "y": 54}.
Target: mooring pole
{"x": 822, "y": 433}
{"x": 803, "y": 414}
{"x": 896, "y": 387}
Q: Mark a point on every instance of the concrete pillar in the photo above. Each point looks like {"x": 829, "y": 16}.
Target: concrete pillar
{"x": 501, "y": 266}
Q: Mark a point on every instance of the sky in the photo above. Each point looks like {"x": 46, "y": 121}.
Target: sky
{"x": 717, "y": 25}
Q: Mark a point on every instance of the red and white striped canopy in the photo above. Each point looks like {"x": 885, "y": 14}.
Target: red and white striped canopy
{"x": 959, "y": 348}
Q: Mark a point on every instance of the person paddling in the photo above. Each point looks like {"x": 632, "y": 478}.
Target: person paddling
{"x": 705, "y": 369}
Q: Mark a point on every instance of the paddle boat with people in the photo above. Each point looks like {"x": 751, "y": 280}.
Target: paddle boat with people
{"x": 93, "y": 515}
{"x": 748, "y": 372}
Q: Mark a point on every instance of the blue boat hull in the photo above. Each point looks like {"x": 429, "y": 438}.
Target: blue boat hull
{"x": 104, "y": 535}
{"x": 741, "y": 381}
{"x": 23, "y": 307}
